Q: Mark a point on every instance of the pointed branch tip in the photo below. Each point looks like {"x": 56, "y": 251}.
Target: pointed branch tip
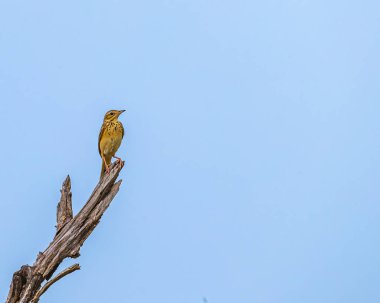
{"x": 67, "y": 183}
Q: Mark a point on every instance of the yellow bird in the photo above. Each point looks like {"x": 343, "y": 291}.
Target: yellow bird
{"x": 110, "y": 136}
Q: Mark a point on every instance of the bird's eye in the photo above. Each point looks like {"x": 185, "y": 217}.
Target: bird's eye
{"x": 111, "y": 114}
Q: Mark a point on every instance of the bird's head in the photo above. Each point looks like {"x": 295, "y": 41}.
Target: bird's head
{"x": 113, "y": 114}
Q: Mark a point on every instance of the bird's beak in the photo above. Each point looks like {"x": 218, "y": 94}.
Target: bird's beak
{"x": 121, "y": 111}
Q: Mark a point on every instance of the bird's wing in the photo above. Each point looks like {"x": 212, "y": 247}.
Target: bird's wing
{"x": 100, "y": 137}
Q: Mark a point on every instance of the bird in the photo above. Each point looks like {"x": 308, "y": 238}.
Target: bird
{"x": 110, "y": 137}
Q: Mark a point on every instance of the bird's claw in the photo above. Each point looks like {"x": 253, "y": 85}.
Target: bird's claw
{"x": 119, "y": 162}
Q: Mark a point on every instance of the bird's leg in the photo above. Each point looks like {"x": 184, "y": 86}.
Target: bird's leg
{"x": 120, "y": 162}
{"x": 106, "y": 165}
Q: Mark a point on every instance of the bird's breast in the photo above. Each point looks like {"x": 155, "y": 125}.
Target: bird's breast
{"x": 111, "y": 139}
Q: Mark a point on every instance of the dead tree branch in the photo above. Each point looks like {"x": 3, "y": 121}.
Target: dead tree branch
{"x": 27, "y": 283}
{"x": 46, "y": 286}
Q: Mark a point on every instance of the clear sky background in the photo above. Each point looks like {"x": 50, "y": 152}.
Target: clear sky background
{"x": 252, "y": 146}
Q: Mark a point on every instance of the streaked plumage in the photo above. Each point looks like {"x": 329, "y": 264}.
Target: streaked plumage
{"x": 110, "y": 137}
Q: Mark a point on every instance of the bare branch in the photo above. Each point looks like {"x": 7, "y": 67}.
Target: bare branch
{"x": 44, "y": 288}
{"x": 64, "y": 207}
{"x": 71, "y": 233}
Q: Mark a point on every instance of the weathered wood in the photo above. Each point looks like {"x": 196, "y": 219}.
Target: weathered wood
{"x": 71, "y": 233}
{"x": 64, "y": 207}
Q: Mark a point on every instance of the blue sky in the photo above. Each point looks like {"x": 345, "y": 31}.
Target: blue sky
{"x": 252, "y": 146}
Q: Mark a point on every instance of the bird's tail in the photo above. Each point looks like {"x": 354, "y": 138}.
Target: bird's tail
{"x": 103, "y": 171}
